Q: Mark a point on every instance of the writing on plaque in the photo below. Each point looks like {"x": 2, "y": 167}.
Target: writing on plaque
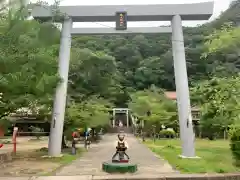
{"x": 121, "y": 20}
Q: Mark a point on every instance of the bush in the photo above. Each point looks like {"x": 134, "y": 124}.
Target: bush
{"x": 167, "y": 133}
{"x": 68, "y": 134}
{"x": 235, "y": 143}
{"x": 5, "y": 124}
{"x": 37, "y": 131}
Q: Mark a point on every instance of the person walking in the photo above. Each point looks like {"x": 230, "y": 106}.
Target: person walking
{"x": 120, "y": 123}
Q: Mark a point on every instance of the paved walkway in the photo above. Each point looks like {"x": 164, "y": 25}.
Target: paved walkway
{"x": 91, "y": 162}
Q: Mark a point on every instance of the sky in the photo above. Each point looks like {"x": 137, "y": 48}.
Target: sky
{"x": 219, "y": 6}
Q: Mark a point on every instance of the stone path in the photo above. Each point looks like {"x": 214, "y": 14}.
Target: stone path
{"x": 91, "y": 162}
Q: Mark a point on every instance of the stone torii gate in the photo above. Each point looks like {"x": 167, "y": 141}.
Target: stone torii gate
{"x": 176, "y": 13}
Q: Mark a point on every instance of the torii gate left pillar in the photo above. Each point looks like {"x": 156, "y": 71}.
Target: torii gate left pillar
{"x": 55, "y": 144}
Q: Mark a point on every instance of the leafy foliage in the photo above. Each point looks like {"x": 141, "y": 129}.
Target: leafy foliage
{"x": 123, "y": 71}
{"x": 167, "y": 133}
{"x": 219, "y": 99}
{"x": 93, "y": 112}
{"x": 235, "y": 143}
{"x": 162, "y": 111}
{"x": 28, "y": 63}
{"x": 227, "y": 38}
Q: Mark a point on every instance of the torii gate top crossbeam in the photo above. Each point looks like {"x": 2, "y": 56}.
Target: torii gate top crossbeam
{"x": 106, "y": 13}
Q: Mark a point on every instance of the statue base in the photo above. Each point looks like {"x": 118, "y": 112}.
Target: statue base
{"x": 117, "y": 167}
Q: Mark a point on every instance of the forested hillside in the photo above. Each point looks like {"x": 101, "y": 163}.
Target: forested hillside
{"x": 106, "y": 71}
{"x": 143, "y": 60}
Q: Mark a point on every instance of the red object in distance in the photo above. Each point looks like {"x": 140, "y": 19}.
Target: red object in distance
{"x": 74, "y": 134}
{"x": 1, "y": 145}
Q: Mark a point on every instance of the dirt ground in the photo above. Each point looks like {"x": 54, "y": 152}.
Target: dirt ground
{"x": 29, "y": 159}
{"x": 27, "y": 167}
{"x": 30, "y": 163}
{"x": 24, "y": 143}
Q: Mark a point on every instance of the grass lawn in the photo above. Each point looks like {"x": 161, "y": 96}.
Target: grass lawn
{"x": 215, "y": 156}
{"x": 65, "y": 159}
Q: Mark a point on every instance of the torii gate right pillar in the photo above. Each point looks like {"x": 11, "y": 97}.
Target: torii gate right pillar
{"x": 181, "y": 81}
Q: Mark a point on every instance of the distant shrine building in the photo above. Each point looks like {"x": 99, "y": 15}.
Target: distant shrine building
{"x": 121, "y": 117}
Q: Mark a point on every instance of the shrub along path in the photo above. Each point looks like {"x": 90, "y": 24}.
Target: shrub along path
{"x": 91, "y": 162}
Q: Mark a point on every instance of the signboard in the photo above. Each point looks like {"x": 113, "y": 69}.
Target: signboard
{"x": 121, "y": 20}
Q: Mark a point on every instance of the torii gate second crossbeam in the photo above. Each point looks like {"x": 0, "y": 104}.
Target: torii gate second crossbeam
{"x": 106, "y": 13}
{"x": 112, "y": 31}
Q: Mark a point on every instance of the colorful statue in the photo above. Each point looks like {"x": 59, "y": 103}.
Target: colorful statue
{"x": 121, "y": 147}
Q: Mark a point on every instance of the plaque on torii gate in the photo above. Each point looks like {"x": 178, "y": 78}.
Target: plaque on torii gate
{"x": 121, "y": 20}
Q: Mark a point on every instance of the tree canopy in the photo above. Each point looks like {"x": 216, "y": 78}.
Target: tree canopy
{"x": 28, "y": 63}
{"x": 107, "y": 71}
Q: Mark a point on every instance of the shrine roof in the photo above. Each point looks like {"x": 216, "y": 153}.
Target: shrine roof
{"x": 171, "y": 95}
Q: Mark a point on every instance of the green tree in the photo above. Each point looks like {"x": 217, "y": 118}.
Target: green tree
{"x": 28, "y": 63}
{"x": 226, "y": 39}
{"x": 152, "y": 106}
{"x": 93, "y": 112}
{"x": 91, "y": 73}
{"x": 219, "y": 102}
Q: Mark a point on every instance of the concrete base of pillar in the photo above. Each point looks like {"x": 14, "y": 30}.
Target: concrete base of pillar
{"x": 186, "y": 157}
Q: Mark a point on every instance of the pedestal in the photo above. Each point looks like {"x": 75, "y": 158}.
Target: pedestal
{"x": 111, "y": 167}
